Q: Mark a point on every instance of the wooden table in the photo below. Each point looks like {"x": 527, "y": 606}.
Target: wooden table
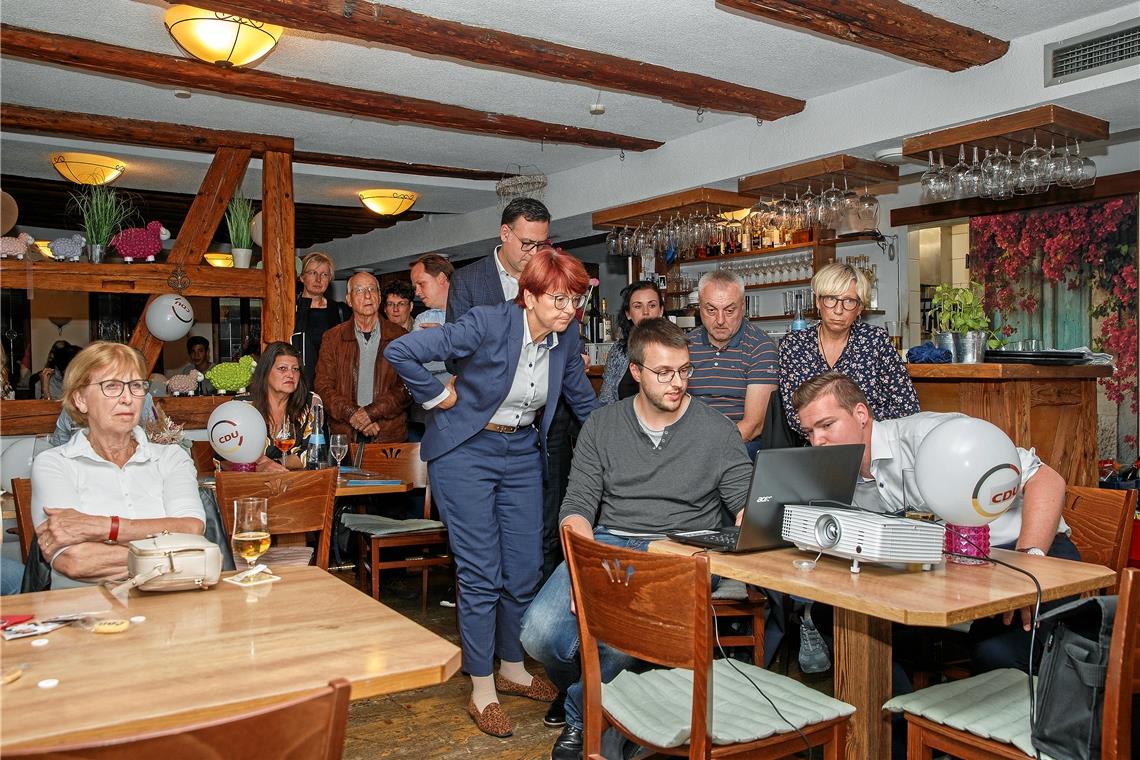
{"x": 207, "y": 653}
{"x": 866, "y": 604}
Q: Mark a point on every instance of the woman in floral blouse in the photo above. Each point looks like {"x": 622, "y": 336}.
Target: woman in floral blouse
{"x": 639, "y": 300}
{"x": 841, "y": 342}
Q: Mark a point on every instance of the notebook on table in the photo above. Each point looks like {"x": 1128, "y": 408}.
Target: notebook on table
{"x": 781, "y": 477}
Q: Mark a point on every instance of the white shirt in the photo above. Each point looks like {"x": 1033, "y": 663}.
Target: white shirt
{"x": 894, "y": 447}
{"x": 157, "y": 481}
{"x": 509, "y": 282}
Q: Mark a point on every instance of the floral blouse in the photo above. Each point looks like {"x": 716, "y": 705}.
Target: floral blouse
{"x": 617, "y": 365}
{"x": 868, "y": 358}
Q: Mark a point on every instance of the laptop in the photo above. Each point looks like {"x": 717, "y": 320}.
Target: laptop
{"x": 781, "y": 477}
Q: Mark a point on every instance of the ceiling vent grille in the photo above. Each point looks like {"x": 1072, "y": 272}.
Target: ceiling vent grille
{"x": 1093, "y": 53}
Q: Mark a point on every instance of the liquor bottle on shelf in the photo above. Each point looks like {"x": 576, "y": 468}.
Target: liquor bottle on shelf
{"x": 798, "y": 321}
{"x": 746, "y": 235}
{"x": 593, "y": 321}
{"x": 607, "y": 324}
{"x": 873, "y": 274}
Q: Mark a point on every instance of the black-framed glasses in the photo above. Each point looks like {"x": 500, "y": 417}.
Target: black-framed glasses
{"x": 114, "y": 388}
{"x": 560, "y": 301}
{"x": 849, "y": 304}
{"x": 666, "y": 375}
{"x": 528, "y": 245}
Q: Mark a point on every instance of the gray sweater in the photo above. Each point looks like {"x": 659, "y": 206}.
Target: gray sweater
{"x": 619, "y": 480}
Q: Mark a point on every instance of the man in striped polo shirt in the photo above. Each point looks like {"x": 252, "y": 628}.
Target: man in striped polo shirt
{"x": 735, "y": 363}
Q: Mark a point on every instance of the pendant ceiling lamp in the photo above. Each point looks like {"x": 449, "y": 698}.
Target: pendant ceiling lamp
{"x": 220, "y": 38}
{"x": 387, "y": 202}
{"x": 87, "y": 168}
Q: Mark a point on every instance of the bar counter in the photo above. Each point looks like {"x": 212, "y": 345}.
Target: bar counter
{"x": 1051, "y": 408}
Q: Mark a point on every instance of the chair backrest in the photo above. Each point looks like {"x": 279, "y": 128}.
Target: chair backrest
{"x": 655, "y": 607}
{"x": 1122, "y": 681}
{"x": 1101, "y": 524}
{"x": 311, "y": 726}
{"x": 22, "y": 491}
{"x": 203, "y": 455}
{"x": 299, "y": 502}
{"x": 399, "y": 461}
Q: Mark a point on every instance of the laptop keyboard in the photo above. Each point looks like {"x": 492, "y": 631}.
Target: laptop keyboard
{"x": 727, "y": 540}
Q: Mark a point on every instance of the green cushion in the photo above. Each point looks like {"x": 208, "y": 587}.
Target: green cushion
{"x": 994, "y": 705}
{"x": 657, "y": 705}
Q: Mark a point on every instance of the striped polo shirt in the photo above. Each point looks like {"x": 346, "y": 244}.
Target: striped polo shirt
{"x": 721, "y": 375}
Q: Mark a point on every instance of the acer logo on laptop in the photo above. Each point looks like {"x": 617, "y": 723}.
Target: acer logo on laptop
{"x": 763, "y": 499}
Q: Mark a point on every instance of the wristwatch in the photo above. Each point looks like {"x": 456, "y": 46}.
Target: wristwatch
{"x": 1033, "y": 550}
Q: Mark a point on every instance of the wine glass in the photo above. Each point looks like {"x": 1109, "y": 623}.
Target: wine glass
{"x": 284, "y": 437}
{"x": 957, "y": 174}
{"x": 251, "y": 528}
{"x": 1080, "y": 171}
{"x": 338, "y": 446}
{"x": 1035, "y": 166}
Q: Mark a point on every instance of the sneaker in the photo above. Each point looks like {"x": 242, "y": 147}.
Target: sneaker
{"x": 813, "y": 649}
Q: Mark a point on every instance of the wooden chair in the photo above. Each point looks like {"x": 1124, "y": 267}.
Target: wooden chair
{"x": 299, "y": 502}
{"x": 203, "y": 455}
{"x": 1101, "y": 523}
{"x": 311, "y": 726}
{"x": 657, "y": 608}
{"x": 22, "y": 491}
{"x": 751, "y": 606}
{"x": 924, "y": 735}
{"x": 401, "y": 461}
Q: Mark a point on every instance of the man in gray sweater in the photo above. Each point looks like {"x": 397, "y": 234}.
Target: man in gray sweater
{"x": 655, "y": 462}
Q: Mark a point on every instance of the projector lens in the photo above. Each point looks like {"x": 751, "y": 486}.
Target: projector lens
{"x": 827, "y": 531}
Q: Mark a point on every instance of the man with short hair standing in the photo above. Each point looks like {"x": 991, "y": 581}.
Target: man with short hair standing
{"x": 735, "y": 363}
{"x": 361, "y": 391}
{"x": 431, "y": 277}
{"x": 651, "y": 463}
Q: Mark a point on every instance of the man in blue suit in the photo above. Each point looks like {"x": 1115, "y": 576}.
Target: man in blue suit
{"x": 485, "y": 459}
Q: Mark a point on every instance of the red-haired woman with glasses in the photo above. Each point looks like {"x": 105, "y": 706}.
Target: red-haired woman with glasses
{"x": 484, "y": 444}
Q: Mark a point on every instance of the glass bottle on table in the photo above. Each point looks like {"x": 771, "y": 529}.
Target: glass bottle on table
{"x": 316, "y": 454}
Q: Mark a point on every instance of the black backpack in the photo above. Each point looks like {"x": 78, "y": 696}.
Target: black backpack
{"x": 1070, "y": 681}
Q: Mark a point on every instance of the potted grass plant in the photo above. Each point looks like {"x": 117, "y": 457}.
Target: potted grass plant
{"x": 104, "y": 211}
{"x": 962, "y": 325}
{"x": 239, "y": 216}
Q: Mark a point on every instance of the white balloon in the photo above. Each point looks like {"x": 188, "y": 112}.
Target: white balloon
{"x": 237, "y": 432}
{"x": 16, "y": 461}
{"x": 169, "y": 317}
{"x": 968, "y": 471}
{"x": 255, "y": 229}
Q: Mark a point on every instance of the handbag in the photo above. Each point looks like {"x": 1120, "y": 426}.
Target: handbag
{"x": 172, "y": 562}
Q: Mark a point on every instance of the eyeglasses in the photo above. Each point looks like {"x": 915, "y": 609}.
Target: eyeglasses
{"x": 561, "y": 300}
{"x": 528, "y": 245}
{"x": 666, "y": 375}
{"x": 366, "y": 291}
{"x": 114, "y": 388}
{"x": 401, "y": 304}
{"x": 849, "y": 304}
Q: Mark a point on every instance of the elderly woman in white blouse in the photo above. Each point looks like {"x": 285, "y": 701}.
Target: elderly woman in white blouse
{"x": 108, "y": 485}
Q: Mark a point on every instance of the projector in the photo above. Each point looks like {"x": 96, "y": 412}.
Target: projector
{"x": 863, "y": 536}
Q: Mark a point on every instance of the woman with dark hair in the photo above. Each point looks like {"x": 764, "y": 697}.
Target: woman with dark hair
{"x": 51, "y": 376}
{"x": 396, "y": 299}
{"x": 639, "y": 300}
{"x": 279, "y": 391}
{"x": 485, "y": 459}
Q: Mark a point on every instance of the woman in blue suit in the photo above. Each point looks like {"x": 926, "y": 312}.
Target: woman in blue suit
{"x": 485, "y": 459}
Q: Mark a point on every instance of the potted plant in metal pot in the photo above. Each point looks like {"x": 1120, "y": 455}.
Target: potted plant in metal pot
{"x": 962, "y": 324}
{"x": 104, "y": 211}
{"x": 239, "y": 215}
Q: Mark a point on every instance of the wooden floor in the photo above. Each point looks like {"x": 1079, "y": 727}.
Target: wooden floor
{"x": 433, "y": 723}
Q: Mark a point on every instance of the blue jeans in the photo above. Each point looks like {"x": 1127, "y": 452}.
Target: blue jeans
{"x": 550, "y": 633}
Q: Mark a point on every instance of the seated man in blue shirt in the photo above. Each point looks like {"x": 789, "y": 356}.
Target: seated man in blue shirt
{"x": 651, "y": 463}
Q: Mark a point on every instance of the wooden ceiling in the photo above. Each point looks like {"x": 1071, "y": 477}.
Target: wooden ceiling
{"x": 45, "y": 203}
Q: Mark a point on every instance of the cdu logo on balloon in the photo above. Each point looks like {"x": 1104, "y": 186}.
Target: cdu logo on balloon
{"x": 226, "y": 437}
{"x": 996, "y": 489}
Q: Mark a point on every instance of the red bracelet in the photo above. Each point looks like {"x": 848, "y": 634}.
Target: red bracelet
{"x": 113, "y": 536}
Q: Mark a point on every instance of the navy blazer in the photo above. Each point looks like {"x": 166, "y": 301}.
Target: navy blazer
{"x": 486, "y": 344}
{"x": 476, "y": 284}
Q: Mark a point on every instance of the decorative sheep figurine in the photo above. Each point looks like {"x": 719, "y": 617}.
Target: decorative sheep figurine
{"x": 15, "y": 246}
{"x": 68, "y": 248}
{"x": 140, "y": 242}
{"x": 184, "y": 385}
{"x": 232, "y": 376}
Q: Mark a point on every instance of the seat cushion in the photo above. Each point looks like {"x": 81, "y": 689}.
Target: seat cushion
{"x": 993, "y": 705}
{"x": 287, "y": 555}
{"x": 386, "y": 526}
{"x": 657, "y": 705}
{"x": 730, "y": 588}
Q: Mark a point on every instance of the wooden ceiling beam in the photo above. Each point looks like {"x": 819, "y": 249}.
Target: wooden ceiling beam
{"x": 401, "y": 28}
{"x": 890, "y": 26}
{"x": 75, "y": 52}
{"x": 395, "y": 167}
